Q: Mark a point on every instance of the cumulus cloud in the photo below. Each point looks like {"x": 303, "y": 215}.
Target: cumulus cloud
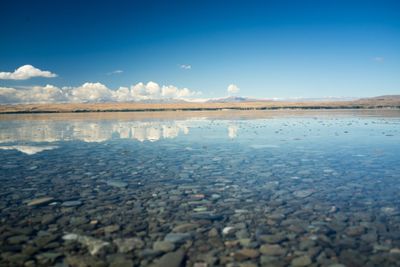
{"x": 233, "y": 89}
{"x": 25, "y": 72}
{"x": 90, "y": 92}
{"x": 93, "y": 92}
{"x": 186, "y": 66}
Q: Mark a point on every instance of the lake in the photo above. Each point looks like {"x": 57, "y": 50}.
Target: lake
{"x": 228, "y": 188}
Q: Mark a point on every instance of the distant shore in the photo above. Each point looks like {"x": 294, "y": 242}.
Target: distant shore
{"x": 154, "y": 107}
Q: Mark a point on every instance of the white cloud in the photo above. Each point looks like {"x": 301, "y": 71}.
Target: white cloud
{"x": 233, "y": 89}
{"x": 115, "y": 72}
{"x": 379, "y": 59}
{"x": 92, "y": 92}
{"x": 25, "y": 72}
{"x": 186, "y": 66}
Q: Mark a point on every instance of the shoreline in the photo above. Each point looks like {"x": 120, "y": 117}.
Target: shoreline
{"x": 188, "y": 107}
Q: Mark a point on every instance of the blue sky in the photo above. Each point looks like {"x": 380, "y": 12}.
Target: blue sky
{"x": 266, "y": 48}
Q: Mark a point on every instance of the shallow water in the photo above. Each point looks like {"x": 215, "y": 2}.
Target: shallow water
{"x": 226, "y": 188}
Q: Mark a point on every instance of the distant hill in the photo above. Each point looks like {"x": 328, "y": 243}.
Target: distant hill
{"x": 233, "y": 103}
{"x": 383, "y": 97}
{"x": 233, "y": 99}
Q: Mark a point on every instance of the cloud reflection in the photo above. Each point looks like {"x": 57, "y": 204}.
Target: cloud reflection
{"x": 29, "y": 150}
{"x": 98, "y": 131}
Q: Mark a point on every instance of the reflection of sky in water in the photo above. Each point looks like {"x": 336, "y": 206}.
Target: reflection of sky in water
{"x": 34, "y": 136}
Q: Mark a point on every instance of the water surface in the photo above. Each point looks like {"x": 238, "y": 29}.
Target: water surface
{"x": 257, "y": 188}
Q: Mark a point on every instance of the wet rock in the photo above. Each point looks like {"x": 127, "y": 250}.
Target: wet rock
{"x": 273, "y": 239}
{"x": 301, "y": 261}
{"x": 245, "y": 254}
{"x": 47, "y": 258}
{"x": 182, "y": 228}
{"x": 172, "y": 259}
{"x": 272, "y": 250}
{"x": 128, "y": 244}
{"x": 71, "y": 203}
{"x": 177, "y": 237}
{"x": 163, "y": 246}
{"x": 111, "y": 228}
{"x": 207, "y": 216}
{"x": 229, "y": 230}
{"x": 121, "y": 261}
{"x": 94, "y": 245}
{"x": 355, "y": 230}
{"x": 83, "y": 261}
{"x": 150, "y": 253}
{"x": 40, "y": 201}
{"x": 213, "y": 233}
{"x": 18, "y": 239}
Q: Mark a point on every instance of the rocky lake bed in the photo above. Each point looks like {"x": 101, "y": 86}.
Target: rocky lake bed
{"x": 309, "y": 190}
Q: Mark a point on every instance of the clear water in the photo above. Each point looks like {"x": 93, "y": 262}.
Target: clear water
{"x": 221, "y": 189}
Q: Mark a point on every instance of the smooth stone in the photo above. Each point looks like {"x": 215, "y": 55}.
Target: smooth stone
{"x": 40, "y": 201}
{"x": 246, "y": 253}
{"x": 245, "y": 242}
{"x": 228, "y": 230}
{"x": 81, "y": 261}
{"x": 111, "y": 228}
{"x": 121, "y": 261}
{"x": 94, "y": 245}
{"x": 128, "y": 244}
{"x": 213, "y": 232}
{"x": 200, "y": 209}
{"x": 71, "y": 203}
{"x": 207, "y": 216}
{"x": 355, "y": 230}
{"x": 395, "y": 250}
{"x": 272, "y": 250}
{"x": 186, "y": 227}
{"x": 164, "y": 246}
{"x": 301, "y": 261}
{"x": 172, "y": 259}
{"x": 18, "y": 239}
{"x": 177, "y": 237}
{"x": 273, "y": 239}
{"x": 149, "y": 253}
{"x": 47, "y": 257}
